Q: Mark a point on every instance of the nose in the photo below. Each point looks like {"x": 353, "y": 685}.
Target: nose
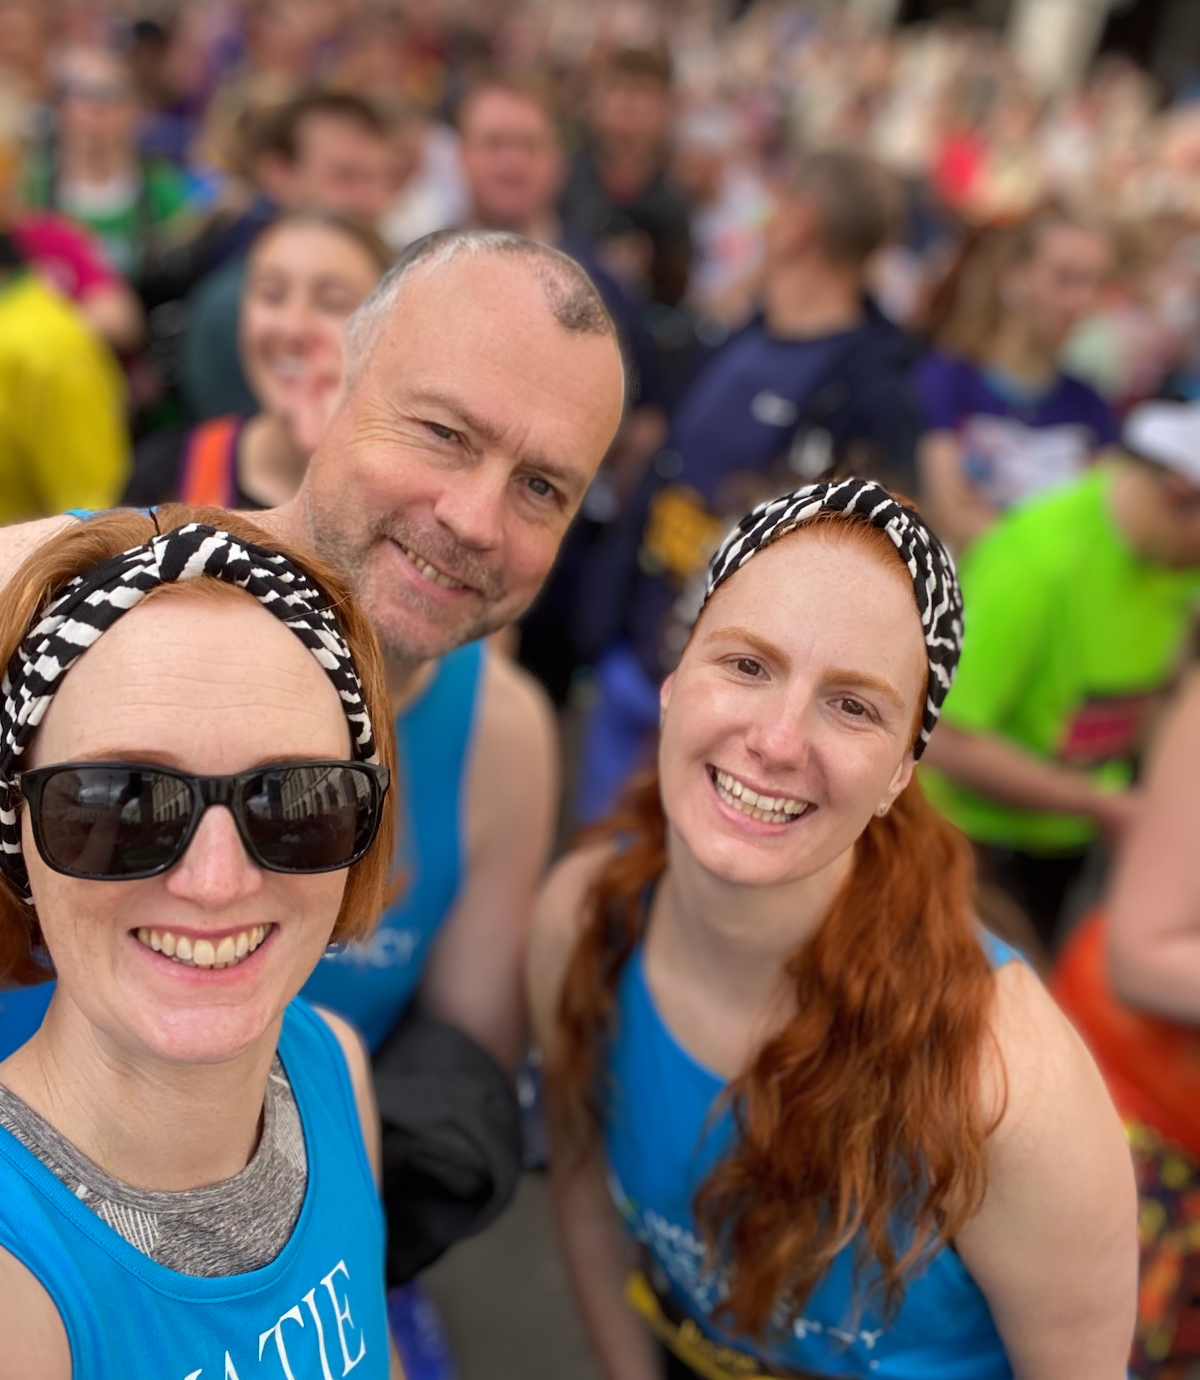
{"x": 781, "y": 735}
{"x": 471, "y": 504}
{"x": 216, "y": 871}
{"x": 296, "y": 322}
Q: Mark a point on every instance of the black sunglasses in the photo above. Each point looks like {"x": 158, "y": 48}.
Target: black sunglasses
{"x": 110, "y": 821}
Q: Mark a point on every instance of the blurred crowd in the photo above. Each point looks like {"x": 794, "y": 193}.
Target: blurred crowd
{"x": 827, "y": 250}
{"x": 145, "y": 146}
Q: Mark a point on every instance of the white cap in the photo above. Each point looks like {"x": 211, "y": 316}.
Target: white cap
{"x": 1168, "y": 434}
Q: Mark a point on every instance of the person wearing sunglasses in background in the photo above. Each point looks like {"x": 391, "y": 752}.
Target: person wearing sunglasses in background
{"x": 192, "y": 806}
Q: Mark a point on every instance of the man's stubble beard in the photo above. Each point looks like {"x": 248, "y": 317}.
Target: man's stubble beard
{"x": 351, "y": 558}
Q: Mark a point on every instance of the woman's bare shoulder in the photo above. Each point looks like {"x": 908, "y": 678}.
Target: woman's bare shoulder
{"x": 558, "y": 920}
{"x": 1038, "y": 1065}
{"x": 35, "y": 1340}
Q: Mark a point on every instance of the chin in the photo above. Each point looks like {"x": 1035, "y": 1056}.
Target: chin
{"x": 743, "y": 863}
{"x": 204, "y": 1033}
{"x": 407, "y": 635}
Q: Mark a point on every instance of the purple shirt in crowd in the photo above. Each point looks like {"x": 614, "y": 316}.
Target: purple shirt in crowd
{"x": 1015, "y": 443}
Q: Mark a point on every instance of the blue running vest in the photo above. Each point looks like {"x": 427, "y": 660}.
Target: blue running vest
{"x": 661, "y": 1148}
{"x": 372, "y": 983}
{"x": 316, "y": 1312}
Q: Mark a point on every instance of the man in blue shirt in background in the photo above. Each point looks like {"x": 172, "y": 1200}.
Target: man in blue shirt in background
{"x": 817, "y": 382}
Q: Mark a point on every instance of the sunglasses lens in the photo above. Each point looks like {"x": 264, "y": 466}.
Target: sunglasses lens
{"x": 310, "y": 819}
{"x": 113, "y": 821}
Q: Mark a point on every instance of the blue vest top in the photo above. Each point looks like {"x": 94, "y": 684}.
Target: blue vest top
{"x": 661, "y": 1148}
{"x": 372, "y": 983}
{"x": 314, "y": 1313}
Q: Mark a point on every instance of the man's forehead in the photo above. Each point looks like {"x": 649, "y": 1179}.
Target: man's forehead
{"x": 482, "y": 306}
{"x": 481, "y": 330}
{"x": 495, "y": 104}
{"x": 325, "y": 126}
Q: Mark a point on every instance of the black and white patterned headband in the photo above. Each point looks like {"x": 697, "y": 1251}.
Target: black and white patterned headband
{"x": 93, "y": 602}
{"x": 935, "y": 582}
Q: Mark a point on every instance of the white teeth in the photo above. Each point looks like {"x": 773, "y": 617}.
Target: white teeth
{"x": 226, "y": 952}
{"x": 772, "y": 809}
{"x": 430, "y": 572}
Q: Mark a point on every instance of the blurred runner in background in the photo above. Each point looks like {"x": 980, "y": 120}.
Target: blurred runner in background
{"x": 1130, "y": 980}
{"x": 1081, "y": 604}
{"x": 1002, "y": 422}
{"x": 305, "y": 276}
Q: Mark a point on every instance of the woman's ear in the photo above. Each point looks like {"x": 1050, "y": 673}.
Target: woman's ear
{"x": 900, "y": 779}
{"x": 664, "y": 696}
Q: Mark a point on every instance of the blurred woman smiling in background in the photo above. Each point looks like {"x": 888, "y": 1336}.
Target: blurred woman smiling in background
{"x": 305, "y": 276}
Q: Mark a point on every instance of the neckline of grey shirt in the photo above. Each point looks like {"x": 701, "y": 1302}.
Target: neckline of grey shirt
{"x": 227, "y": 1228}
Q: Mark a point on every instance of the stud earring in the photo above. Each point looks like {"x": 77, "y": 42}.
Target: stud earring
{"x": 882, "y": 810}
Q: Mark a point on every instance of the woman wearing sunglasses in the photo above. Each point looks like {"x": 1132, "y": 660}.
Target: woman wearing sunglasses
{"x": 191, "y": 810}
{"x": 847, "y": 1133}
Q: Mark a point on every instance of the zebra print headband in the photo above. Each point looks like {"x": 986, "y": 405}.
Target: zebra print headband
{"x": 93, "y": 602}
{"x": 935, "y": 582}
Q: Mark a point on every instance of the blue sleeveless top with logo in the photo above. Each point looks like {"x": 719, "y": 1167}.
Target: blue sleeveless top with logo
{"x": 315, "y": 1312}
{"x": 372, "y": 983}
{"x": 661, "y": 1147}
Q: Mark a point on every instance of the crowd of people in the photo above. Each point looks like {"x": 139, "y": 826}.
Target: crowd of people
{"x": 767, "y": 444}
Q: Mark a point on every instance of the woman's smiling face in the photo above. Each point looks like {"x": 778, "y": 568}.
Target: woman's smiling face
{"x": 212, "y": 684}
{"x": 303, "y": 283}
{"x": 792, "y": 715}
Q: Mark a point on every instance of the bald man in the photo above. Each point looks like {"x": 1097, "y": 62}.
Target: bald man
{"x": 484, "y": 385}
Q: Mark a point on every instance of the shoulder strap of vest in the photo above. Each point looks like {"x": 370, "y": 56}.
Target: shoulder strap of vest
{"x": 208, "y": 478}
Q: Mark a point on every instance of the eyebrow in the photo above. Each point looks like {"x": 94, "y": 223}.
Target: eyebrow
{"x": 472, "y": 421}
{"x": 859, "y": 680}
{"x": 760, "y": 644}
{"x": 862, "y": 680}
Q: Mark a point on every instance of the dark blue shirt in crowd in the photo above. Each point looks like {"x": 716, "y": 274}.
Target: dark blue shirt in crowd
{"x": 643, "y": 370}
{"x": 1015, "y": 441}
{"x": 761, "y": 405}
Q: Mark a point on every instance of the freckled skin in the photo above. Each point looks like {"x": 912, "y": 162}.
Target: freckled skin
{"x": 160, "y": 685}
{"x": 792, "y": 725}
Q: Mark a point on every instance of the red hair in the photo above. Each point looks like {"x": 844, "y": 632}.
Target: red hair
{"x": 865, "y": 1108}
{"x": 82, "y": 546}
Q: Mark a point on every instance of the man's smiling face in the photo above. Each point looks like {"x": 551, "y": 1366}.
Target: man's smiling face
{"x": 447, "y": 481}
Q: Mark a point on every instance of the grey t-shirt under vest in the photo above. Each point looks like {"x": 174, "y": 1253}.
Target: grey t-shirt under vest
{"x": 228, "y": 1228}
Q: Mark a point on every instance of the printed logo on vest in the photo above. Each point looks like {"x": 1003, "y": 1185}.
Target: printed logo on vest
{"x": 290, "y": 1348}
{"x": 386, "y": 948}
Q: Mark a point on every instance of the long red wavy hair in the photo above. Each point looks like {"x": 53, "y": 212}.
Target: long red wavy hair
{"x": 864, "y": 1111}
